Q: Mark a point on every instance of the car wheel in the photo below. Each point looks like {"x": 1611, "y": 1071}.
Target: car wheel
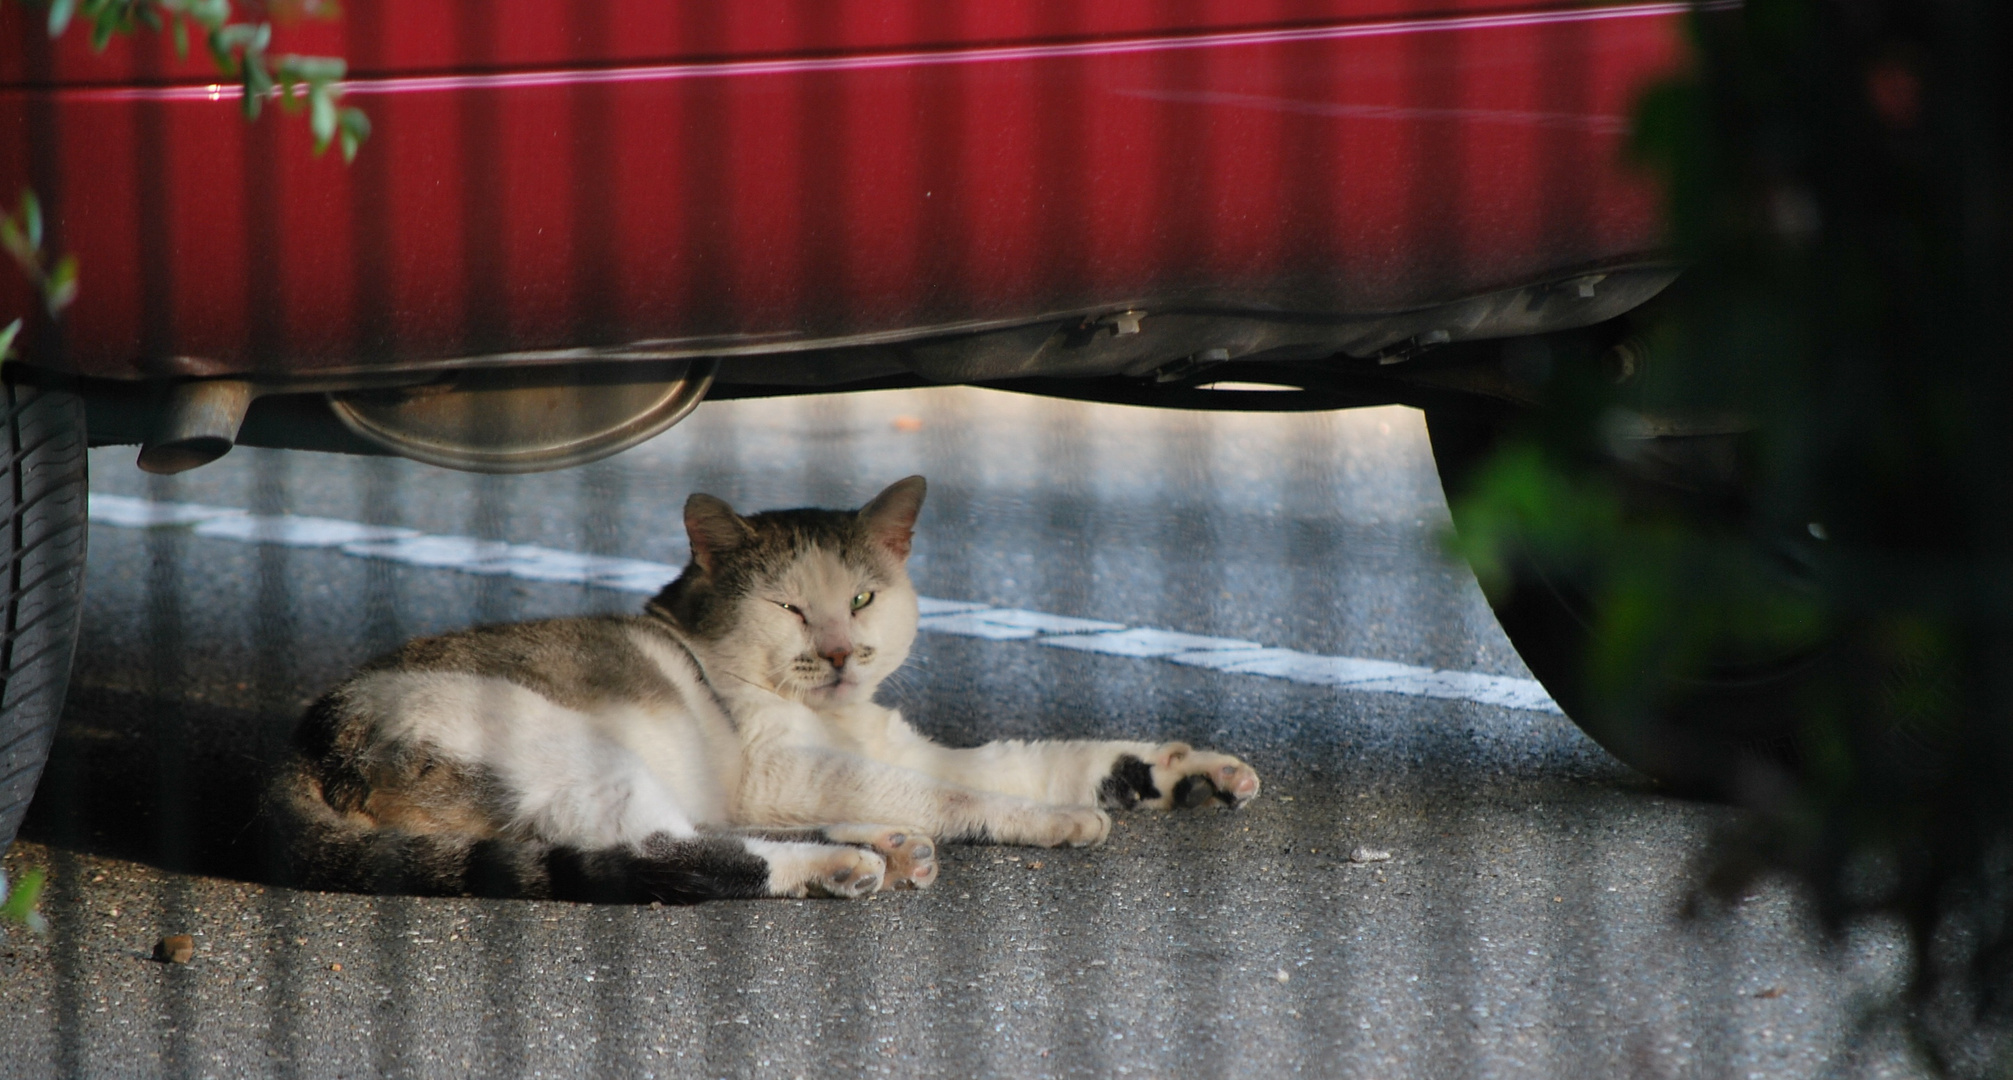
{"x": 1731, "y": 733}
{"x": 43, "y": 495}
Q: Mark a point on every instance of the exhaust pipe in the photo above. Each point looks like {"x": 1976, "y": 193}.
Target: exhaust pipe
{"x": 198, "y": 424}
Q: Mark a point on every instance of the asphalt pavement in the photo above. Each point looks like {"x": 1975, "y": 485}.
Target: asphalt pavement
{"x": 1528, "y": 923}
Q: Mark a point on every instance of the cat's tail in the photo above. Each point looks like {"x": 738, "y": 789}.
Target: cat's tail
{"x": 311, "y": 844}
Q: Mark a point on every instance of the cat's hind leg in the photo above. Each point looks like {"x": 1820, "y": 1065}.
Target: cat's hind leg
{"x": 911, "y": 855}
{"x": 314, "y": 845}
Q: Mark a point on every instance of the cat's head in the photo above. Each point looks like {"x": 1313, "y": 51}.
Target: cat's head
{"x": 813, "y": 604}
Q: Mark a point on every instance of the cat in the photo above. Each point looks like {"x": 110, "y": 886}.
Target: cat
{"x": 723, "y": 743}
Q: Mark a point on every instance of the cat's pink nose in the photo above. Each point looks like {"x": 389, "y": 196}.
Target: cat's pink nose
{"x": 837, "y": 657}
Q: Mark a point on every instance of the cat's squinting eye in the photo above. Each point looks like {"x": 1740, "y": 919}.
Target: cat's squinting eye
{"x": 791, "y": 608}
{"x": 862, "y": 600}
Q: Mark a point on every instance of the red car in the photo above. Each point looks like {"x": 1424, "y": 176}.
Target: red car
{"x": 575, "y": 220}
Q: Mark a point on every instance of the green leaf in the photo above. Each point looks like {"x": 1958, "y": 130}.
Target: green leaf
{"x": 21, "y": 900}
{"x": 258, "y": 86}
{"x": 233, "y": 36}
{"x": 314, "y": 69}
{"x": 16, "y": 244}
{"x": 7, "y": 335}
{"x": 31, "y": 217}
{"x": 59, "y": 16}
{"x": 355, "y": 129}
{"x": 221, "y": 51}
{"x": 61, "y": 288}
{"x": 321, "y": 116}
{"x": 293, "y": 92}
{"x": 212, "y": 14}
{"x": 181, "y": 29}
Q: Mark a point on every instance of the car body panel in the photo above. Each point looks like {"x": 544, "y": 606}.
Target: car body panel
{"x": 558, "y": 181}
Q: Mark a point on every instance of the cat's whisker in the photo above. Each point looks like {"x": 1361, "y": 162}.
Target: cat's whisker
{"x": 896, "y": 680}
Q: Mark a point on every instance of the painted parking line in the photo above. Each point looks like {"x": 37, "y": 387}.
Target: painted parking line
{"x": 530, "y": 562}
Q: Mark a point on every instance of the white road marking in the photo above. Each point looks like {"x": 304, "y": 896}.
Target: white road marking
{"x": 1146, "y": 643}
{"x": 530, "y": 562}
{"x": 290, "y": 531}
{"x": 125, "y": 513}
{"x": 1012, "y": 624}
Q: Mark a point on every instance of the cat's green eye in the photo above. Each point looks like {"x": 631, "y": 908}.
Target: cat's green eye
{"x": 862, "y": 600}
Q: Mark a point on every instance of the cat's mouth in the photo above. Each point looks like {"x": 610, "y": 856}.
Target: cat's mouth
{"x": 838, "y": 684}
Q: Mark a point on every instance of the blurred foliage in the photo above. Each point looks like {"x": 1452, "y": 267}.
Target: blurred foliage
{"x": 20, "y": 904}
{"x": 1837, "y": 180}
{"x": 239, "y": 49}
{"x": 56, "y": 280}
{"x": 313, "y": 83}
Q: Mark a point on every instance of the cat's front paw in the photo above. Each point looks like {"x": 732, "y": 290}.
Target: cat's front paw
{"x": 843, "y": 872}
{"x": 1178, "y": 776}
{"x": 1073, "y": 826}
{"x": 911, "y": 856}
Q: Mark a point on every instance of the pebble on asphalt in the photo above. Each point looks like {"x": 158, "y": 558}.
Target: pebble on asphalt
{"x": 1365, "y": 854}
{"x": 175, "y": 949}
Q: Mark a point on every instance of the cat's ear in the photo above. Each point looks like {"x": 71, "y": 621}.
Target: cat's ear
{"x": 713, "y": 527}
{"x": 890, "y": 519}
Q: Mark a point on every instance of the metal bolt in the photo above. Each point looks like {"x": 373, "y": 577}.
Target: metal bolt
{"x": 1585, "y": 286}
{"x": 1123, "y": 323}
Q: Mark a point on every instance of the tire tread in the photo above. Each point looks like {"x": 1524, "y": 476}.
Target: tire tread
{"x": 43, "y": 531}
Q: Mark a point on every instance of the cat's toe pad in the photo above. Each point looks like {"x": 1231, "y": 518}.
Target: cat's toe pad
{"x": 847, "y": 873}
{"x": 911, "y": 855}
{"x": 912, "y": 860}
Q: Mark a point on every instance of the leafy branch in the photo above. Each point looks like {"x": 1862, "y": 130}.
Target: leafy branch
{"x": 239, "y": 49}
{"x": 21, "y": 235}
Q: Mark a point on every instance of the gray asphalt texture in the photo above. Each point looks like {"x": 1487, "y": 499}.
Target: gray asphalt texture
{"x": 1528, "y": 924}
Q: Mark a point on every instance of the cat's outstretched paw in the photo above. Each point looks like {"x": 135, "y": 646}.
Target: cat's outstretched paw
{"x": 911, "y": 856}
{"x": 1178, "y": 776}
{"x": 1073, "y": 826}
{"x": 838, "y": 870}
{"x": 848, "y": 873}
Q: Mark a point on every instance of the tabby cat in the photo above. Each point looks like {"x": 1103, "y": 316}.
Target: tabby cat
{"x": 724, "y": 743}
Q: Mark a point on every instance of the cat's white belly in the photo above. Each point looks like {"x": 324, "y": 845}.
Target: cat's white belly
{"x": 676, "y": 750}
{"x": 612, "y": 777}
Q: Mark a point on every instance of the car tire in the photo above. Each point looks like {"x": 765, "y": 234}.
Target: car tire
{"x": 43, "y": 501}
{"x": 1730, "y": 734}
